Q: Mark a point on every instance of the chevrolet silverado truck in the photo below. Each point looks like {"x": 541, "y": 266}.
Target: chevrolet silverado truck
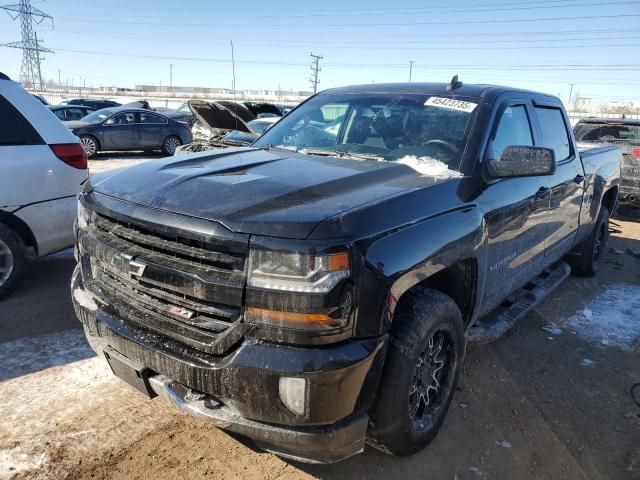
{"x": 318, "y": 288}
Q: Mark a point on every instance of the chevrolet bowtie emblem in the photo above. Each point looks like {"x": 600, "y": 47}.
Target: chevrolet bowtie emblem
{"x": 136, "y": 268}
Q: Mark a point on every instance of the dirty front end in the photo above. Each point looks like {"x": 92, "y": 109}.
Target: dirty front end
{"x": 184, "y": 309}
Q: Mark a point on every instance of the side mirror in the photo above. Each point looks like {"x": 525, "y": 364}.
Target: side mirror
{"x": 522, "y": 161}
{"x": 109, "y": 122}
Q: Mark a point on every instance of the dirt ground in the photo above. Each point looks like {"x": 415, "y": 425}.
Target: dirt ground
{"x": 537, "y": 404}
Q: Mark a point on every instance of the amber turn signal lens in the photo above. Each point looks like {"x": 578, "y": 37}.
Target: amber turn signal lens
{"x": 339, "y": 261}
{"x": 275, "y": 317}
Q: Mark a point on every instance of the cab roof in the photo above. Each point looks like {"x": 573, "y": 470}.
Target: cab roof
{"x": 467, "y": 90}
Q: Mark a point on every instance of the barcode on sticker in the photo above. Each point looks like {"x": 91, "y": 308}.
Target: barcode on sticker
{"x": 451, "y": 104}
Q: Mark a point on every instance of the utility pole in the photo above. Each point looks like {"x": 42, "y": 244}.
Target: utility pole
{"x": 570, "y": 94}
{"x": 410, "y": 70}
{"x": 233, "y": 69}
{"x": 58, "y": 78}
{"x": 315, "y": 69}
{"x": 30, "y": 74}
{"x": 170, "y": 76}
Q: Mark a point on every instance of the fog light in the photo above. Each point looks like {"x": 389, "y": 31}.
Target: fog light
{"x": 293, "y": 393}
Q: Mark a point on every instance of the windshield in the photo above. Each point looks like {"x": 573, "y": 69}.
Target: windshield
{"x": 99, "y": 115}
{"x": 259, "y": 126}
{"x": 240, "y": 137}
{"x": 389, "y": 126}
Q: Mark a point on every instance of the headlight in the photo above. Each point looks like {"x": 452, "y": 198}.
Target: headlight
{"x": 84, "y": 216}
{"x": 299, "y": 290}
{"x": 297, "y": 272}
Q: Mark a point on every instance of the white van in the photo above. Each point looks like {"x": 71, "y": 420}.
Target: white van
{"x": 42, "y": 166}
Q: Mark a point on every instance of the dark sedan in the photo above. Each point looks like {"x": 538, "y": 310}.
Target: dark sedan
{"x": 70, "y": 112}
{"x": 124, "y": 128}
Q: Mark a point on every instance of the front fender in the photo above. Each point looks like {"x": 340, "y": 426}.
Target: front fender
{"x": 397, "y": 261}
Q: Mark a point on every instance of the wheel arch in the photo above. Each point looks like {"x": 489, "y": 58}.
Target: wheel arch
{"x": 21, "y": 228}
{"x": 445, "y": 253}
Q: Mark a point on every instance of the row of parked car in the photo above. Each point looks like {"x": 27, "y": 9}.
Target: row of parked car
{"x": 105, "y": 125}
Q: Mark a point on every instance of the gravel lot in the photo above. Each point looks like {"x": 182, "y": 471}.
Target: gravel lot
{"x": 539, "y": 403}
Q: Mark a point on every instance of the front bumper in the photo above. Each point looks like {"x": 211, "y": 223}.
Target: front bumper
{"x": 239, "y": 392}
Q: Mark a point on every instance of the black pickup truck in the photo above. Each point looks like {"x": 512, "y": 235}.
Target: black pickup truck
{"x": 318, "y": 288}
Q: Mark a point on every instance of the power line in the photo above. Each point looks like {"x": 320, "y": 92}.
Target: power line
{"x": 389, "y": 45}
{"x": 30, "y": 73}
{"x": 396, "y": 11}
{"x": 440, "y": 66}
{"x": 186, "y": 38}
{"x": 388, "y": 24}
{"x": 315, "y": 69}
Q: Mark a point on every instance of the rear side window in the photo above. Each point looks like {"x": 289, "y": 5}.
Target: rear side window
{"x": 514, "y": 129}
{"x": 14, "y": 128}
{"x": 554, "y": 131}
{"x": 151, "y": 118}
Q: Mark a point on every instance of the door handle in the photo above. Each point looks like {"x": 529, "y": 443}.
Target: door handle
{"x": 542, "y": 192}
{"x": 578, "y": 179}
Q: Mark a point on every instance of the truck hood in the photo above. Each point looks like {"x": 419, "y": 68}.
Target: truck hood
{"x": 264, "y": 192}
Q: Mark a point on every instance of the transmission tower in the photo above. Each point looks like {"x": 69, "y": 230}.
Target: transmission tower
{"x": 315, "y": 69}
{"x": 30, "y": 74}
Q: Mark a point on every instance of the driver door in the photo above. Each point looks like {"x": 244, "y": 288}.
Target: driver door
{"x": 516, "y": 210}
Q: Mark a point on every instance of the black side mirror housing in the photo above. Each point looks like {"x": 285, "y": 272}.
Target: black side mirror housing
{"x": 522, "y": 161}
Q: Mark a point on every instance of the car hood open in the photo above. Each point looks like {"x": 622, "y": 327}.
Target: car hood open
{"x": 264, "y": 192}
{"x": 217, "y": 117}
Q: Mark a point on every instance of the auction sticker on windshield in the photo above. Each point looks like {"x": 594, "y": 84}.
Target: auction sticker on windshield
{"x": 451, "y": 104}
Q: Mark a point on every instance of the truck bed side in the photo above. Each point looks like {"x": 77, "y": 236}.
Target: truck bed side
{"x": 601, "y": 165}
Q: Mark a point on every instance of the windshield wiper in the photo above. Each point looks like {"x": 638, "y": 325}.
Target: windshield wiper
{"x": 325, "y": 153}
{"x": 340, "y": 154}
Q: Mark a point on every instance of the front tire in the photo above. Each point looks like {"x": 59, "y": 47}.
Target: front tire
{"x": 423, "y": 364}
{"x": 170, "y": 144}
{"x": 13, "y": 260}
{"x": 90, "y": 145}
{"x": 591, "y": 251}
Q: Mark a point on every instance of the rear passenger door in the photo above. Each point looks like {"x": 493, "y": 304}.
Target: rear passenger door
{"x": 151, "y": 130}
{"x": 516, "y": 209}
{"x": 567, "y": 183}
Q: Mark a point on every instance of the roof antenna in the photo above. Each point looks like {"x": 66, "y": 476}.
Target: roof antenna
{"x": 455, "y": 83}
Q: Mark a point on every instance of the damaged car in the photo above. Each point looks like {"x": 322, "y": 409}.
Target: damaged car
{"x": 220, "y": 126}
{"x": 319, "y": 288}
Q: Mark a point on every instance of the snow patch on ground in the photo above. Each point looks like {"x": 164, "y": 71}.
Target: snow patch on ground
{"x": 428, "y": 166}
{"x": 28, "y": 355}
{"x": 76, "y": 409}
{"x": 611, "y": 318}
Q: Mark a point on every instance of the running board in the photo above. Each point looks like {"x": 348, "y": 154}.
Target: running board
{"x": 517, "y": 305}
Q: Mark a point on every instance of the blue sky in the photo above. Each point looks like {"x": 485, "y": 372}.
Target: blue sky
{"x": 544, "y": 46}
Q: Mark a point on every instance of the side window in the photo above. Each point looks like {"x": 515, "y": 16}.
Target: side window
{"x": 14, "y": 128}
{"x": 74, "y": 114}
{"x": 513, "y": 128}
{"x": 151, "y": 118}
{"x": 60, "y": 114}
{"x": 124, "y": 118}
{"x": 554, "y": 131}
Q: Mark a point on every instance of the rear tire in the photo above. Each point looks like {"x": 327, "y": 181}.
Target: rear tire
{"x": 591, "y": 251}
{"x": 90, "y": 145}
{"x": 424, "y": 360}
{"x": 170, "y": 144}
{"x": 13, "y": 260}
